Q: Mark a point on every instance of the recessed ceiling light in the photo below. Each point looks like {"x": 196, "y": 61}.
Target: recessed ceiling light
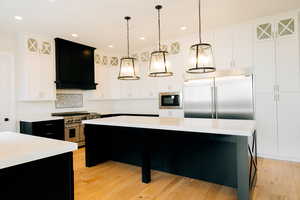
{"x": 183, "y": 28}
{"x": 111, "y": 46}
{"x": 52, "y": 1}
{"x": 19, "y": 18}
{"x": 74, "y": 35}
{"x": 142, "y": 38}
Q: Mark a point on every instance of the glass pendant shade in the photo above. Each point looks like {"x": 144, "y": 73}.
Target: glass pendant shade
{"x": 159, "y": 66}
{"x": 201, "y": 59}
{"x": 127, "y": 64}
{"x": 127, "y": 69}
{"x": 201, "y": 55}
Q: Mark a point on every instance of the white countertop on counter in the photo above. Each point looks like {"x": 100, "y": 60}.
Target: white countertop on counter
{"x": 38, "y": 118}
{"x": 16, "y": 148}
{"x": 198, "y": 125}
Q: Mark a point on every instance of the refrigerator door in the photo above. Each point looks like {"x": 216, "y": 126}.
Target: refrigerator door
{"x": 234, "y": 97}
{"x": 198, "y": 99}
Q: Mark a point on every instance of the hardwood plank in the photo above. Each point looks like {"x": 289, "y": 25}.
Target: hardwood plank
{"x": 277, "y": 180}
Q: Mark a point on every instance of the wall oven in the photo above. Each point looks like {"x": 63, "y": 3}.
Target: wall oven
{"x": 170, "y": 100}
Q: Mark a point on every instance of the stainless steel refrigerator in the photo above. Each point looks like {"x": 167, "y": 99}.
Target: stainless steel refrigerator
{"x": 229, "y": 97}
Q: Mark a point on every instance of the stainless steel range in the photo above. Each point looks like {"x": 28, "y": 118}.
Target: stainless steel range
{"x": 74, "y": 129}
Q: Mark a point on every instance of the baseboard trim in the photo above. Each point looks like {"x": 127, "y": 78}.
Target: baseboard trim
{"x": 275, "y": 157}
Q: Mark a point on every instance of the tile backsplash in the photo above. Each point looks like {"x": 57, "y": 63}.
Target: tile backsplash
{"x": 69, "y": 101}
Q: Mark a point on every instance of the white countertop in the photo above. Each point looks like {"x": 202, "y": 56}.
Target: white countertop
{"x": 38, "y": 118}
{"x": 16, "y": 148}
{"x": 197, "y": 125}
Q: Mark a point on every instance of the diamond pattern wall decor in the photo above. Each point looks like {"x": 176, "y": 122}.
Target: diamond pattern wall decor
{"x": 97, "y": 59}
{"x": 286, "y": 27}
{"x": 145, "y": 56}
{"x": 46, "y": 48}
{"x": 114, "y": 61}
{"x": 104, "y": 60}
{"x": 264, "y": 31}
{"x": 32, "y": 45}
{"x": 175, "y": 48}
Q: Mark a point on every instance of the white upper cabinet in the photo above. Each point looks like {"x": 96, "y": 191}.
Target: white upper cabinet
{"x": 35, "y": 68}
{"x": 233, "y": 47}
{"x": 277, "y": 53}
{"x": 242, "y": 46}
{"x": 264, "y": 66}
{"x": 223, "y": 49}
{"x": 287, "y": 53}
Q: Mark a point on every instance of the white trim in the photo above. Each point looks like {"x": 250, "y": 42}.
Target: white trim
{"x": 13, "y": 87}
{"x": 276, "y": 157}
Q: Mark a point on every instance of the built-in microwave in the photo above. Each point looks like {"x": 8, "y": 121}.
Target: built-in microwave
{"x": 170, "y": 100}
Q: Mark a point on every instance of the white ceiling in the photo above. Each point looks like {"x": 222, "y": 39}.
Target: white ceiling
{"x": 100, "y": 22}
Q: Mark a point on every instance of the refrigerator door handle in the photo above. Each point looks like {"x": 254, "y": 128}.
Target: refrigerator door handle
{"x": 212, "y": 89}
{"x": 216, "y": 101}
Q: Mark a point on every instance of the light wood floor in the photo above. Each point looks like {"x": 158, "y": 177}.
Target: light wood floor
{"x": 277, "y": 180}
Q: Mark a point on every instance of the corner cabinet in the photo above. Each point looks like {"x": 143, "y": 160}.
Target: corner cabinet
{"x": 35, "y": 68}
{"x": 277, "y": 85}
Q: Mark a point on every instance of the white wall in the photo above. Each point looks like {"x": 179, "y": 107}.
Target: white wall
{"x": 23, "y": 109}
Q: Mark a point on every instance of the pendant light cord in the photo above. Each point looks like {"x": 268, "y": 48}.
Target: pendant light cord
{"x": 158, "y": 7}
{"x": 200, "y": 28}
{"x": 128, "y": 35}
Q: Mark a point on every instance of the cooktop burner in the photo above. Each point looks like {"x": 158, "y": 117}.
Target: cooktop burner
{"x": 67, "y": 114}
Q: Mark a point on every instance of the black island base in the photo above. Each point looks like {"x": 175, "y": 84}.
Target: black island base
{"x": 222, "y": 159}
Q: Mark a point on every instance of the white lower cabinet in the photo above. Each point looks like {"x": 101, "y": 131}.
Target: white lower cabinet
{"x": 265, "y": 115}
{"x": 289, "y": 125}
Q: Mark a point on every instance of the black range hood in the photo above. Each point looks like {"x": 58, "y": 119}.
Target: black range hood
{"x": 75, "y": 67}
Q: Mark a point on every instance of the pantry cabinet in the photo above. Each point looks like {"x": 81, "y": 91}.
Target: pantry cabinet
{"x": 35, "y": 68}
{"x": 277, "y": 85}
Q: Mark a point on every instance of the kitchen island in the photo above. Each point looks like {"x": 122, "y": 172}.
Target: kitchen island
{"x": 35, "y": 168}
{"x": 213, "y": 150}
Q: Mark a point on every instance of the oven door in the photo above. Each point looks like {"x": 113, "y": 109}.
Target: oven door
{"x": 72, "y": 133}
{"x": 170, "y": 100}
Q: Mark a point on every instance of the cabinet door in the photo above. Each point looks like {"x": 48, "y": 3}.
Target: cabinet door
{"x": 223, "y": 49}
{"x": 264, "y": 66}
{"x": 114, "y": 82}
{"x": 266, "y": 124}
{"x": 288, "y": 125}
{"x": 287, "y": 55}
{"x": 47, "y": 70}
{"x": 32, "y": 74}
{"x": 243, "y": 46}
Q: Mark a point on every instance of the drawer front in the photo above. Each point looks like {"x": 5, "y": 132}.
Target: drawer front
{"x": 51, "y": 129}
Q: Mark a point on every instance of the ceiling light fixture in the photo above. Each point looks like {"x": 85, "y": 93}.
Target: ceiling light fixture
{"x": 19, "y": 18}
{"x": 142, "y": 38}
{"x": 183, "y": 28}
{"x": 74, "y": 35}
{"x": 159, "y": 66}
{"x": 111, "y": 46}
{"x": 201, "y": 55}
{"x": 127, "y": 67}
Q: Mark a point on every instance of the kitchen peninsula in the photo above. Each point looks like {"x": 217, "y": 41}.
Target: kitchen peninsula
{"x": 213, "y": 150}
{"x": 35, "y": 168}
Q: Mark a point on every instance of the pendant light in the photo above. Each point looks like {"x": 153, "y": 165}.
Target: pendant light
{"x": 201, "y": 55}
{"x": 127, "y": 64}
{"x": 159, "y": 66}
